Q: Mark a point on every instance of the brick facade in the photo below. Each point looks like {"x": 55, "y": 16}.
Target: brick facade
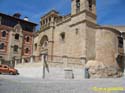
{"x": 17, "y": 38}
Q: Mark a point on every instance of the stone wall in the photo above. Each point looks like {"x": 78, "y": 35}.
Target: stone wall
{"x": 83, "y": 38}
{"x": 105, "y": 64}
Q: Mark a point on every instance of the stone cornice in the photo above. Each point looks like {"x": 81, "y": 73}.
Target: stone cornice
{"x": 3, "y": 27}
{"x": 83, "y": 21}
{"x": 67, "y": 20}
{"x": 87, "y": 12}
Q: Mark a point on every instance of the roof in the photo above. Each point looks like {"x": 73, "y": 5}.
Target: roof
{"x": 110, "y": 28}
{"x": 19, "y": 19}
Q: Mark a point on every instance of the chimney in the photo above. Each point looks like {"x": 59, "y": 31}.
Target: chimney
{"x": 26, "y": 18}
{"x": 17, "y": 15}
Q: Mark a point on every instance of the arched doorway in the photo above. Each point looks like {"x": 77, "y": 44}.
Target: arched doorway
{"x": 44, "y": 42}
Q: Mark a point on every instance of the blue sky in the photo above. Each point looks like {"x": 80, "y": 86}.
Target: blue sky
{"x": 109, "y": 12}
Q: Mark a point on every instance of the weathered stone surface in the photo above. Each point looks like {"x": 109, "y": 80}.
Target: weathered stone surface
{"x": 99, "y": 70}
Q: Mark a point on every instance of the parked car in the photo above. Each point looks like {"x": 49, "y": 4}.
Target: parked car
{"x": 8, "y": 70}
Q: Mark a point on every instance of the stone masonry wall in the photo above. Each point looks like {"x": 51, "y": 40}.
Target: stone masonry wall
{"x": 105, "y": 64}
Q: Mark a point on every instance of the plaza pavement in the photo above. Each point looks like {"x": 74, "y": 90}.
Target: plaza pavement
{"x": 19, "y": 84}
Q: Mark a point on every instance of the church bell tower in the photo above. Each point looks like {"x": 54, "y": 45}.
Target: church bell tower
{"x": 84, "y": 6}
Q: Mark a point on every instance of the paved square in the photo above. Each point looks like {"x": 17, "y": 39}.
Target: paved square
{"x": 17, "y": 84}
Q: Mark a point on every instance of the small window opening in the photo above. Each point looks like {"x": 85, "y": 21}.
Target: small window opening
{"x": 120, "y": 40}
{"x": 77, "y": 31}
{"x": 77, "y": 6}
{"x": 36, "y": 46}
{"x": 49, "y": 19}
{"x": 2, "y": 46}
{"x": 27, "y": 50}
{"x": 90, "y": 4}
{"x": 62, "y": 35}
{"x": 27, "y": 39}
{"x": 15, "y": 48}
{"x": 4, "y": 34}
{"x": 17, "y": 36}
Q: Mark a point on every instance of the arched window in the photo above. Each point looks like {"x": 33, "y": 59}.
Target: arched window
{"x": 62, "y": 35}
{"x": 43, "y": 22}
{"x": 120, "y": 42}
{"x": 27, "y": 50}
{"x": 2, "y": 46}
{"x": 17, "y": 36}
{"x": 49, "y": 19}
{"x": 90, "y": 4}
{"x": 35, "y": 46}
{"x": 15, "y": 48}
{"x": 27, "y": 39}
{"x": 77, "y": 6}
{"x": 4, "y": 34}
{"x": 44, "y": 41}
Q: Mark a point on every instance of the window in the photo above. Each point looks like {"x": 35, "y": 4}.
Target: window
{"x": 15, "y": 49}
{"x": 2, "y": 46}
{"x": 43, "y": 22}
{"x": 62, "y": 35}
{"x": 77, "y": 31}
{"x": 90, "y": 4}
{"x": 27, "y": 39}
{"x": 27, "y": 50}
{"x": 0, "y": 18}
{"x": 36, "y": 46}
{"x": 17, "y": 36}
{"x": 77, "y": 6}
{"x": 49, "y": 19}
{"x": 44, "y": 42}
{"x": 5, "y": 67}
{"x": 4, "y": 34}
{"x": 120, "y": 42}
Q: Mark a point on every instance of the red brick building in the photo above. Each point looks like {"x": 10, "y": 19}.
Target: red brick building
{"x": 16, "y": 38}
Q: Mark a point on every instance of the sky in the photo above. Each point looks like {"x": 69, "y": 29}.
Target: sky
{"x": 109, "y": 12}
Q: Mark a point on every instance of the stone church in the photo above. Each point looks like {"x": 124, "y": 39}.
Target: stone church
{"x": 75, "y": 46}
